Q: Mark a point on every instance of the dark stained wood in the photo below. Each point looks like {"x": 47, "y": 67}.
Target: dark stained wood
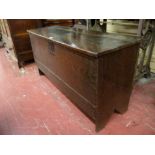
{"x": 21, "y": 41}
{"x": 115, "y": 78}
{"x": 94, "y": 70}
{"x": 18, "y": 38}
{"x": 60, "y": 22}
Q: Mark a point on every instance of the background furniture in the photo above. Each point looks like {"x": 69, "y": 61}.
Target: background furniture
{"x": 16, "y": 38}
{"x": 21, "y": 41}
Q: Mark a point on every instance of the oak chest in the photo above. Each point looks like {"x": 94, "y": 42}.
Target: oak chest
{"x": 92, "y": 69}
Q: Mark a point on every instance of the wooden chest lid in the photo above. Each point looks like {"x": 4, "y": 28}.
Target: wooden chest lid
{"x": 92, "y": 43}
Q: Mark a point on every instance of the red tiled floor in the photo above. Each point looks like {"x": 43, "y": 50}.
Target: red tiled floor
{"x": 31, "y": 104}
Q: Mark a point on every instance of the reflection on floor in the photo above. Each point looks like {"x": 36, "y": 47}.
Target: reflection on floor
{"x": 31, "y": 104}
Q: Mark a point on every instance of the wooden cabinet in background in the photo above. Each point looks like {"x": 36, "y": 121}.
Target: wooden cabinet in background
{"x": 20, "y": 38}
{"x": 16, "y": 38}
